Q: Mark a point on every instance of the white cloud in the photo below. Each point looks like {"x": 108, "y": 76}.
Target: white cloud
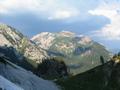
{"x": 112, "y": 11}
{"x": 50, "y": 9}
{"x": 62, "y": 14}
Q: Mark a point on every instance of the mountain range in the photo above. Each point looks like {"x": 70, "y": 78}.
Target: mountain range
{"x": 79, "y": 52}
{"x": 48, "y": 55}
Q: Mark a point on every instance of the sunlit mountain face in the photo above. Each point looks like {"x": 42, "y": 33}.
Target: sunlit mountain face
{"x": 71, "y": 43}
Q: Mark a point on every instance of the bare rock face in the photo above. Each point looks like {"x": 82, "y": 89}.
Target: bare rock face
{"x": 44, "y": 39}
{"x": 63, "y": 41}
{"x": 85, "y": 40}
{"x": 9, "y": 37}
{"x": 66, "y": 33}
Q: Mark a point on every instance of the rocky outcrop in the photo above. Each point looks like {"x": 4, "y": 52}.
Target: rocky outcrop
{"x": 9, "y": 37}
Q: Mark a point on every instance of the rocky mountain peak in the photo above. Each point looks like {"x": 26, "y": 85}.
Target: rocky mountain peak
{"x": 66, "y": 33}
{"x": 10, "y": 37}
{"x": 42, "y": 34}
{"x": 85, "y": 40}
{"x": 73, "y": 48}
{"x": 44, "y": 39}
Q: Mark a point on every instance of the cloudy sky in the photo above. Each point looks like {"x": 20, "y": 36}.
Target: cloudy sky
{"x": 99, "y": 19}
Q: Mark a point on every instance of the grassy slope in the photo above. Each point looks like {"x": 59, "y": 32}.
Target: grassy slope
{"x": 90, "y": 80}
{"x": 94, "y": 79}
